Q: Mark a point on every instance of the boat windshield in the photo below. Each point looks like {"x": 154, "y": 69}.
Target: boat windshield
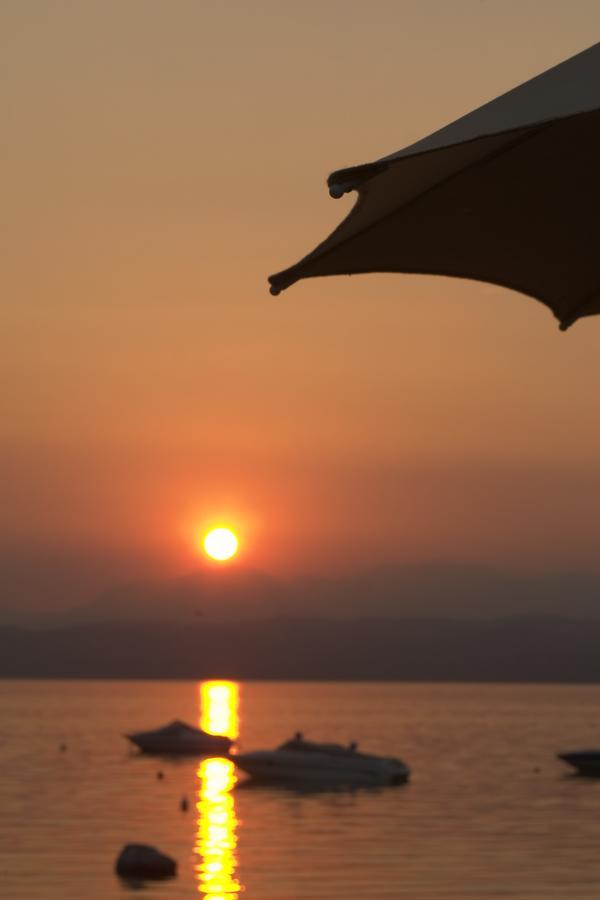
{"x": 177, "y": 728}
{"x": 299, "y": 745}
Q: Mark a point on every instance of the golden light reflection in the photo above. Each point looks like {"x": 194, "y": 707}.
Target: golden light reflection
{"x": 219, "y": 708}
{"x": 216, "y": 838}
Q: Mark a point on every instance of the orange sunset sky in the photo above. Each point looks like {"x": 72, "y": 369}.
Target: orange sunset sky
{"x": 159, "y": 159}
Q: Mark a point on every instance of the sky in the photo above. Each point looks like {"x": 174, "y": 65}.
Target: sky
{"x": 159, "y": 160}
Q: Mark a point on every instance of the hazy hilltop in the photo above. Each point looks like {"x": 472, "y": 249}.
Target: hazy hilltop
{"x": 238, "y": 594}
{"x": 428, "y": 622}
{"x": 512, "y": 649}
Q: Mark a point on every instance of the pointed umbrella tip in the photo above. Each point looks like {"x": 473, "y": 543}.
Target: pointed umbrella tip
{"x": 282, "y": 280}
{"x": 275, "y": 284}
{"x": 338, "y": 190}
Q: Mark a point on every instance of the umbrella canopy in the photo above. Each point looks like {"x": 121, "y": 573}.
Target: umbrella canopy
{"x": 509, "y": 194}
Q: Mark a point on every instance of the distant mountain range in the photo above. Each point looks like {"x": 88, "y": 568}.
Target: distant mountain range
{"x": 235, "y": 595}
{"x": 511, "y": 649}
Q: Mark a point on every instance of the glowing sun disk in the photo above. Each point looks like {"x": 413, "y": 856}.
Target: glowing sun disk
{"x": 221, "y": 544}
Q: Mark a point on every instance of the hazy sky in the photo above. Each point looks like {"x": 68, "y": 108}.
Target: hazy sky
{"x": 159, "y": 159}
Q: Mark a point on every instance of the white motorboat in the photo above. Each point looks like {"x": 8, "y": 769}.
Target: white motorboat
{"x": 177, "y": 737}
{"x": 305, "y": 762}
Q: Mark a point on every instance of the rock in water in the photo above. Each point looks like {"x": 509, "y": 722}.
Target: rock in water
{"x": 143, "y": 861}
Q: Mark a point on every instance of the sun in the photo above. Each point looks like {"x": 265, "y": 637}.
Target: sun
{"x": 221, "y": 544}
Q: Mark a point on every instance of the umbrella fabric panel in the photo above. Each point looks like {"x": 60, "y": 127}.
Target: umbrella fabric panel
{"x": 508, "y": 194}
{"x": 395, "y": 187}
{"x": 524, "y": 217}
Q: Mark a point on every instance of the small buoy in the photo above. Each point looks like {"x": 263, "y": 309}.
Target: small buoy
{"x": 183, "y": 804}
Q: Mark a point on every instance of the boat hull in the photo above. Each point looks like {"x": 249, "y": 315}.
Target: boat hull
{"x": 314, "y": 768}
{"x": 167, "y": 748}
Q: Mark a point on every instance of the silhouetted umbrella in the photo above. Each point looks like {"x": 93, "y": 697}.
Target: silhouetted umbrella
{"x": 509, "y": 194}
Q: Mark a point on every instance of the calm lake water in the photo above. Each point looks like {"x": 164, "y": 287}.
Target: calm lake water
{"x": 489, "y": 812}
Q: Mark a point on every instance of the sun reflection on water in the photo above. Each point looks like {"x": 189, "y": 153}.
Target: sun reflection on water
{"x": 219, "y": 708}
{"x": 216, "y": 838}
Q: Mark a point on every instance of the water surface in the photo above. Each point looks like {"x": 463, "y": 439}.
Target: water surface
{"x": 489, "y": 813}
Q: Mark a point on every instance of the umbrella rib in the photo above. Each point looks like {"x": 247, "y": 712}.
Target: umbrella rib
{"x": 383, "y": 165}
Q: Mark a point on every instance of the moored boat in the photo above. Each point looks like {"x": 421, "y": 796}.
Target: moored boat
{"x": 180, "y": 738}
{"x": 306, "y": 762}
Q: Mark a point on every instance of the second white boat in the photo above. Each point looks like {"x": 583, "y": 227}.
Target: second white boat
{"x": 305, "y": 762}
